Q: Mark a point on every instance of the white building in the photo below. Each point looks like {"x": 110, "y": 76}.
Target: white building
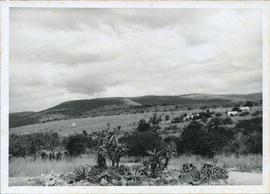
{"x": 232, "y": 113}
{"x": 244, "y": 109}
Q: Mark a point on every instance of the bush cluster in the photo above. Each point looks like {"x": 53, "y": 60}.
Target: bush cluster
{"x": 144, "y": 138}
{"x": 30, "y": 144}
{"x": 216, "y": 137}
{"x": 140, "y": 142}
{"x": 78, "y": 143}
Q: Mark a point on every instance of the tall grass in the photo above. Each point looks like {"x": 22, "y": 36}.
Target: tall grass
{"x": 243, "y": 163}
{"x": 19, "y": 167}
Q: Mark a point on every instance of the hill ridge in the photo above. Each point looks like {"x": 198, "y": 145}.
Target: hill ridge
{"x": 88, "y": 107}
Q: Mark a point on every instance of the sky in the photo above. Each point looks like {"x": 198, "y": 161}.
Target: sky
{"x": 57, "y": 55}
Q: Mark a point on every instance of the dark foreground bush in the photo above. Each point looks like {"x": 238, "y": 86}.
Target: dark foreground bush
{"x": 196, "y": 140}
{"x": 140, "y": 142}
{"x": 77, "y": 144}
{"x": 248, "y": 136}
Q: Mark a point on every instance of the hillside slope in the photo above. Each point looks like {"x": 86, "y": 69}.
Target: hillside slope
{"x": 77, "y": 108}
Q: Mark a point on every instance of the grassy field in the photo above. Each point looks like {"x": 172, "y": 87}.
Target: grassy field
{"x": 19, "y": 167}
{"x": 127, "y": 122}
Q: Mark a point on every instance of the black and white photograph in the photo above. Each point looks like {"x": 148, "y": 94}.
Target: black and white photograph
{"x": 135, "y": 96}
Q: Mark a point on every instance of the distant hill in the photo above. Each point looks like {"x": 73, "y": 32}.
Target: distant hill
{"x": 77, "y": 108}
{"x": 231, "y": 97}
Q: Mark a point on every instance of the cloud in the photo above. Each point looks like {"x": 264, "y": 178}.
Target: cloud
{"x": 66, "y": 54}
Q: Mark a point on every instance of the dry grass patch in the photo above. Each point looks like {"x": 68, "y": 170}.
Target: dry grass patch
{"x": 20, "y": 167}
{"x": 243, "y": 163}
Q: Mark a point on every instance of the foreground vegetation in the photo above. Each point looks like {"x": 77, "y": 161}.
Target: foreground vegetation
{"x": 20, "y": 167}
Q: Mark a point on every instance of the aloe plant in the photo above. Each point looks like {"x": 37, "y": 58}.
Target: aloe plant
{"x": 155, "y": 162}
{"x": 81, "y": 172}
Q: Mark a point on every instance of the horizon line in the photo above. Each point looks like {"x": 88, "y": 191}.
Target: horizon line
{"x": 139, "y": 97}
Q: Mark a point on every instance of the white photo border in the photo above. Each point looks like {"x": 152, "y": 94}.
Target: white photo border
{"x": 4, "y": 75}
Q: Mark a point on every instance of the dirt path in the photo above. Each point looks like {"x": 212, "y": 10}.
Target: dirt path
{"x": 245, "y": 178}
{"x": 18, "y": 181}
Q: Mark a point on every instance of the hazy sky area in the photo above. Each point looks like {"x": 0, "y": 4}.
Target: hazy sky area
{"x": 58, "y": 55}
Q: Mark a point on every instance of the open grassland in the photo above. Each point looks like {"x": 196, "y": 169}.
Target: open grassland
{"x": 127, "y": 122}
{"x": 19, "y": 167}
{"x": 91, "y": 124}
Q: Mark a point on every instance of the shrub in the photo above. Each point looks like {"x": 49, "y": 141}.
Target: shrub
{"x": 206, "y": 114}
{"x": 249, "y": 135}
{"x": 256, "y": 113}
{"x": 143, "y": 125}
{"x": 30, "y": 144}
{"x": 254, "y": 142}
{"x": 155, "y": 119}
{"x": 204, "y": 119}
{"x": 228, "y": 121}
{"x": 249, "y": 103}
{"x": 177, "y": 120}
{"x": 236, "y": 108}
{"x": 17, "y": 146}
{"x": 205, "y": 140}
{"x": 218, "y": 114}
{"x": 195, "y": 140}
{"x": 203, "y": 107}
{"x": 243, "y": 114}
{"x": 171, "y": 127}
{"x": 248, "y": 126}
{"x": 219, "y": 133}
{"x": 140, "y": 142}
{"x": 77, "y": 144}
{"x": 85, "y": 133}
{"x": 170, "y": 139}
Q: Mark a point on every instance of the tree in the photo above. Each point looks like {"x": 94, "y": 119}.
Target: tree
{"x": 76, "y": 144}
{"x": 196, "y": 140}
{"x": 219, "y": 133}
{"x": 248, "y": 135}
{"x": 249, "y": 103}
{"x": 236, "y": 108}
{"x": 154, "y": 121}
{"x": 85, "y": 133}
{"x": 143, "y": 125}
{"x": 17, "y": 146}
{"x": 140, "y": 142}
